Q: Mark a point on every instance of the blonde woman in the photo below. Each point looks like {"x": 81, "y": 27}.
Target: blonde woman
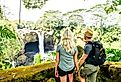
{"x": 66, "y": 57}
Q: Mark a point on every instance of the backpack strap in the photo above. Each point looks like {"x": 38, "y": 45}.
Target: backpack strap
{"x": 91, "y": 54}
{"x": 93, "y": 47}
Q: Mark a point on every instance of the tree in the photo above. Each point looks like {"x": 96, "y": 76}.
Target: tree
{"x": 112, "y": 5}
{"x": 34, "y": 3}
{"x": 9, "y": 42}
{"x": 1, "y": 13}
{"x": 75, "y": 21}
{"x": 119, "y": 2}
{"x": 51, "y": 21}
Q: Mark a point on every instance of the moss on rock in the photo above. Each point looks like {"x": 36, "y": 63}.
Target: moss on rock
{"x": 109, "y": 72}
{"x": 28, "y": 73}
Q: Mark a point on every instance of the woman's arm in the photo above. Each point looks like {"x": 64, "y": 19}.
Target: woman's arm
{"x": 57, "y": 60}
{"x": 56, "y": 64}
{"x": 76, "y": 61}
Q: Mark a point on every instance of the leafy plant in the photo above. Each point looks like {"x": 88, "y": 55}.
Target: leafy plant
{"x": 9, "y": 42}
{"x": 113, "y": 55}
{"x": 37, "y": 58}
{"x": 5, "y": 64}
{"x": 51, "y": 56}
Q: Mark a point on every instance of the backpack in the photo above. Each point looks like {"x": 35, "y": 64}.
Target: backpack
{"x": 97, "y": 56}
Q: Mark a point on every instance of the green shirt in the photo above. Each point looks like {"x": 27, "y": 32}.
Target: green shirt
{"x": 66, "y": 58}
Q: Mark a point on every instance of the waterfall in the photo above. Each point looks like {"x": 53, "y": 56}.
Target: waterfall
{"x": 13, "y": 64}
{"x": 41, "y": 43}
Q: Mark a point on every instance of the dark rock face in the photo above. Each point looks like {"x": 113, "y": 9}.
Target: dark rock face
{"x": 48, "y": 43}
{"x": 27, "y": 57}
{"x": 24, "y": 60}
{"x": 32, "y": 47}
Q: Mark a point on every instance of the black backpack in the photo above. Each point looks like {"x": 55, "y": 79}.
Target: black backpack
{"x": 97, "y": 56}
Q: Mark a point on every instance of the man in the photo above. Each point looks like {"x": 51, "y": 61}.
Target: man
{"x": 88, "y": 71}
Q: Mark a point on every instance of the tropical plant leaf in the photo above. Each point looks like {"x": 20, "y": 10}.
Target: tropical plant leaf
{"x": 6, "y": 33}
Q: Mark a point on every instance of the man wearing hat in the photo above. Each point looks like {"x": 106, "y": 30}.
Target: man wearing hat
{"x": 87, "y": 70}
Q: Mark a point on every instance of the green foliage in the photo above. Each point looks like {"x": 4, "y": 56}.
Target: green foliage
{"x": 5, "y": 64}
{"x": 6, "y": 33}
{"x": 80, "y": 51}
{"x": 27, "y": 25}
{"x": 34, "y": 3}
{"x": 53, "y": 53}
{"x": 9, "y": 43}
{"x": 51, "y": 56}
{"x": 37, "y": 58}
{"x": 111, "y": 6}
{"x": 50, "y": 20}
{"x": 113, "y": 55}
{"x": 119, "y": 12}
{"x": 110, "y": 37}
{"x": 119, "y": 2}
{"x": 75, "y": 21}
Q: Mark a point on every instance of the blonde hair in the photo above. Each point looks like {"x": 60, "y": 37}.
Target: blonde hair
{"x": 67, "y": 40}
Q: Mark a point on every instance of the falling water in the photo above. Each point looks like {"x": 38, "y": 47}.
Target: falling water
{"x": 41, "y": 43}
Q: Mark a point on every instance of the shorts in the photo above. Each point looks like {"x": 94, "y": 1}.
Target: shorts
{"x": 63, "y": 73}
{"x": 88, "y": 69}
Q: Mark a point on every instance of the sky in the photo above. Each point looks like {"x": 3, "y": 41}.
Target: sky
{"x": 12, "y": 10}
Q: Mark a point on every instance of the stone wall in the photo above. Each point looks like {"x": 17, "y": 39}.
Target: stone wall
{"x": 35, "y": 73}
{"x": 109, "y": 72}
